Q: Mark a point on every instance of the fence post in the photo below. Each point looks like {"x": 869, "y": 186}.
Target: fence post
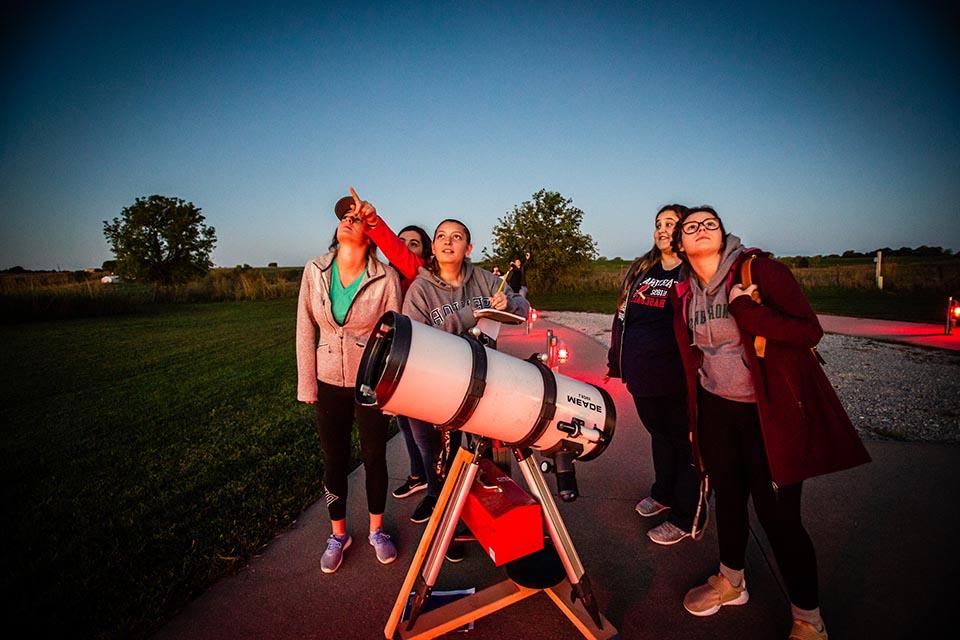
{"x": 879, "y": 274}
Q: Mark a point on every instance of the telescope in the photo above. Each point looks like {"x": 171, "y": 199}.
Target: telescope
{"x": 455, "y": 382}
{"x": 412, "y": 369}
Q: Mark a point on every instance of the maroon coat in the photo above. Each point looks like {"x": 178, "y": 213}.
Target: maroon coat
{"x": 806, "y": 431}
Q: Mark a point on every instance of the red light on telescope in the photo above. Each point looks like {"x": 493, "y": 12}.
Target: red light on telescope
{"x": 956, "y": 310}
{"x": 534, "y": 315}
{"x": 563, "y": 354}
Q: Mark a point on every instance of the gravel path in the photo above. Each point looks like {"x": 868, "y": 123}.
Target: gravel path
{"x": 891, "y": 391}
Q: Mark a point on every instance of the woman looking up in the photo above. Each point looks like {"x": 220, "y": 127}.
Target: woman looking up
{"x": 447, "y": 294}
{"x": 342, "y": 295}
{"x": 763, "y": 416}
{"x": 643, "y": 353}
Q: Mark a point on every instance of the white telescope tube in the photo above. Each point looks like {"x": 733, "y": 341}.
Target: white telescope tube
{"x": 415, "y": 370}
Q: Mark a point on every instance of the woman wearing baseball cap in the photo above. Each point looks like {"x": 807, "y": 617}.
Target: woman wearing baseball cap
{"x": 342, "y": 295}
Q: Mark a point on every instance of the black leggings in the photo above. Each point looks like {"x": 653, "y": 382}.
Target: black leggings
{"x": 732, "y": 448}
{"x": 335, "y": 411}
{"x": 676, "y": 482}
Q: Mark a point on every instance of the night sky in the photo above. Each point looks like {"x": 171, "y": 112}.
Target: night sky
{"x": 811, "y": 127}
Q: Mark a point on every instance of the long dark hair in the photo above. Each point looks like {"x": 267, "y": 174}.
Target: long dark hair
{"x": 426, "y": 244}
{"x": 432, "y": 263}
{"x": 642, "y": 264}
{"x": 676, "y": 241}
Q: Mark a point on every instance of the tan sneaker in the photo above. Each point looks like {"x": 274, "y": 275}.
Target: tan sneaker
{"x": 707, "y": 599}
{"x": 805, "y": 631}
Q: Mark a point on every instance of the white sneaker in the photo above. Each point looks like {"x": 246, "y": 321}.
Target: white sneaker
{"x": 648, "y": 507}
{"x": 667, "y": 533}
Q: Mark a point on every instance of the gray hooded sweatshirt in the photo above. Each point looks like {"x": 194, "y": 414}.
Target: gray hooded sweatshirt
{"x": 724, "y": 371}
{"x": 432, "y": 301}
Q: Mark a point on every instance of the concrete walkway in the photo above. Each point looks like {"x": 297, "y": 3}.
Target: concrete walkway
{"x": 885, "y": 534}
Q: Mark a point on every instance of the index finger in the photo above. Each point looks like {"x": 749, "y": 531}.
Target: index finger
{"x": 356, "y": 198}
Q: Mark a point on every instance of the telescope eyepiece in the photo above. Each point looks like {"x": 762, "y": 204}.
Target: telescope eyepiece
{"x": 566, "y": 476}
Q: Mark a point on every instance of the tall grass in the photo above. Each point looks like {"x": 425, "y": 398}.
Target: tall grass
{"x": 30, "y": 297}
{"x": 57, "y": 296}
{"x": 899, "y": 274}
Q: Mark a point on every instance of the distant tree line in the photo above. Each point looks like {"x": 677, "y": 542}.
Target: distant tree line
{"x": 857, "y": 256}
{"x": 921, "y": 251}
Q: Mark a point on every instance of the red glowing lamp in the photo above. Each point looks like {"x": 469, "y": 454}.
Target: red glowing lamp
{"x": 953, "y": 315}
{"x": 563, "y": 354}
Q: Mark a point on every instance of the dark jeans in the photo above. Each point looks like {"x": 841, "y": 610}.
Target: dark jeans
{"x": 416, "y": 464}
{"x": 676, "y": 482}
{"x": 425, "y": 436}
{"x": 731, "y": 445}
{"x": 335, "y": 410}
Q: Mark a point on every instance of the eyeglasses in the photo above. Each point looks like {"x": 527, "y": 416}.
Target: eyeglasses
{"x": 710, "y": 224}
{"x": 351, "y": 219}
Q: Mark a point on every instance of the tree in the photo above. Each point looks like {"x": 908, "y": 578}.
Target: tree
{"x": 161, "y": 240}
{"x": 549, "y": 228}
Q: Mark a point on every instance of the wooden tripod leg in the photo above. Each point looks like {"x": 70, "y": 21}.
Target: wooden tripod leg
{"x": 462, "y": 458}
{"x": 467, "y": 609}
{"x": 561, "y": 594}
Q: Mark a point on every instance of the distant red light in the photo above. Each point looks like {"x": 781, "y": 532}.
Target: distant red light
{"x": 534, "y": 314}
{"x": 956, "y": 311}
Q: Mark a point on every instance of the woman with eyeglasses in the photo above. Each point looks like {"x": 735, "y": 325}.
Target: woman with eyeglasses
{"x": 342, "y": 295}
{"x": 643, "y": 353}
{"x": 763, "y": 416}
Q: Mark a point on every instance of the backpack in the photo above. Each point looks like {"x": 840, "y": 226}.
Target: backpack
{"x": 759, "y": 342}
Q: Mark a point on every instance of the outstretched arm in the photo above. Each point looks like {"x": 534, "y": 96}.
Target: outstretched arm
{"x": 393, "y": 248}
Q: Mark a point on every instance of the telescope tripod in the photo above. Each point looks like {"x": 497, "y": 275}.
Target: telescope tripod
{"x": 573, "y": 596}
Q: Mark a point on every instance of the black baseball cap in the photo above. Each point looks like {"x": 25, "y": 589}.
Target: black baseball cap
{"x": 342, "y": 207}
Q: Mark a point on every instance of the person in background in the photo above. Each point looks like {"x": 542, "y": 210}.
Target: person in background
{"x": 763, "y": 416}
{"x": 643, "y": 353}
{"x": 495, "y": 270}
{"x": 342, "y": 295}
{"x": 517, "y": 274}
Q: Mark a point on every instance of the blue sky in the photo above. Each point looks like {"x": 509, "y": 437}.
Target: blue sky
{"x": 811, "y": 127}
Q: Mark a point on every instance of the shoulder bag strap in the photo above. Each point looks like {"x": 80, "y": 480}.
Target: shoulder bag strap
{"x": 759, "y": 342}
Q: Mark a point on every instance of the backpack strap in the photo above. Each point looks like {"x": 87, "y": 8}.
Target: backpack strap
{"x": 759, "y": 342}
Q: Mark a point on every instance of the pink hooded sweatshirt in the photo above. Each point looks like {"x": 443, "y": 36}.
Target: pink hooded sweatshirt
{"x": 325, "y": 350}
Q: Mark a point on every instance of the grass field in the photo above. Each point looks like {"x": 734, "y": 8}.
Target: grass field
{"x": 912, "y": 306}
{"x": 144, "y": 456}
